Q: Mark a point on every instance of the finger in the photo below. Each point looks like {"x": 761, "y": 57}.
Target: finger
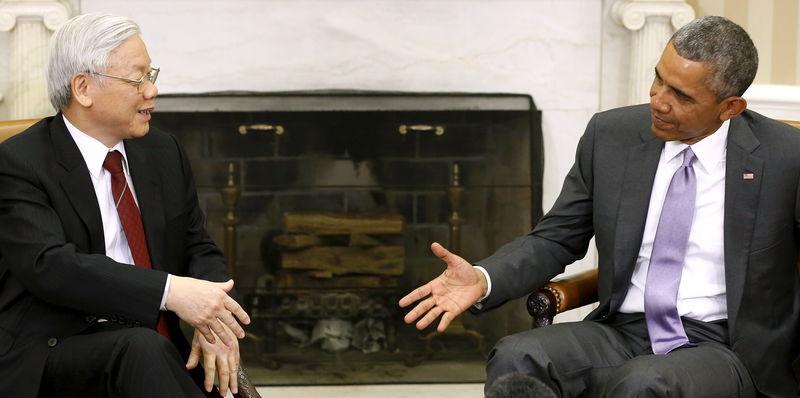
{"x": 237, "y": 310}
{"x": 194, "y": 355}
{"x": 210, "y": 369}
{"x": 220, "y": 331}
{"x": 234, "y": 329}
{"x": 223, "y": 371}
{"x": 227, "y": 285}
{"x": 429, "y": 317}
{"x": 421, "y": 308}
{"x": 207, "y": 333}
{"x": 444, "y": 254}
{"x": 233, "y": 365}
{"x": 445, "y": 322}
{"x": 418, "y": 293}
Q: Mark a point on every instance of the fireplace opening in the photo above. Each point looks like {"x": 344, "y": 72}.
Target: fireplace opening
{"x": 331, "y": 202}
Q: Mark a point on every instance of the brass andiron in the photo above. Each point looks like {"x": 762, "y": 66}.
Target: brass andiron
{"x": 230, "y": 195}
{"x": 456, "y": 327}
{"x": 454, "y": 197}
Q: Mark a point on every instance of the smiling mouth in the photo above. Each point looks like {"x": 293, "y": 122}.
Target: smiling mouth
{"x": 660, "y": 121}
{"x": 145, "y": 112}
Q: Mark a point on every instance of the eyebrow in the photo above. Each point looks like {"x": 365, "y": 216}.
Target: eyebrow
{"x": 677, "y": 90}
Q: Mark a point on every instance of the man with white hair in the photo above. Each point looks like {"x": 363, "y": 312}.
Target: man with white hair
{"x": 102, "y": 242}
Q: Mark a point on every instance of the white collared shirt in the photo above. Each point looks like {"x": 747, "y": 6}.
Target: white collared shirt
{"x": 94, "y": 154}
{"x": 701, "y": 294}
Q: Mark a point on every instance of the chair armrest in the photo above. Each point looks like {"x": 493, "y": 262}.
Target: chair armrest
{"x": 561, "y": 295}
{"x": 246, "y": 388}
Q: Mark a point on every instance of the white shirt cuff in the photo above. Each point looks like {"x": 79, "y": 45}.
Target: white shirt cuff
{"x": 488, "y": 282}
{"x": 166, "y": 290}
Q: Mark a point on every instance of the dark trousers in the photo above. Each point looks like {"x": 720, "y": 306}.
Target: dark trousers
{"x": 111, "y": 361}
{"x": 614, "y": 359}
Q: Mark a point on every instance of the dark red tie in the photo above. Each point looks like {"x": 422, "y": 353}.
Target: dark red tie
{"x": 131, "y": 220}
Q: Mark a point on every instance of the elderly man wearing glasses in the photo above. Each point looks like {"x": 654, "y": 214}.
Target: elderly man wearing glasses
{"x": 102, "y": 244}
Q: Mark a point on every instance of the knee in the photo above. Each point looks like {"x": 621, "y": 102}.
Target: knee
{"x": 639, "y": 382}
{"x": 517, "y": 353}
{"x": 143, "y": 342}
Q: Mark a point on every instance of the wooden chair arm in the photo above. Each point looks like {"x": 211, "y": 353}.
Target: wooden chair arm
{"x": 11, "y": 127}
{"x": 561, "y": 295}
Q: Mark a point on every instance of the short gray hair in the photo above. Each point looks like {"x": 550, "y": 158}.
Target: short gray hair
{"x": 725, "y": 48}
{"x": 83, "y": 44}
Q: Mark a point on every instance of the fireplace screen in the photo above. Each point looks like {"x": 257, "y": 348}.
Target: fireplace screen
{"x": 329, "y": 204}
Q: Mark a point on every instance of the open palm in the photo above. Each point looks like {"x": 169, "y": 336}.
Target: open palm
{"x": 452, "y": 292}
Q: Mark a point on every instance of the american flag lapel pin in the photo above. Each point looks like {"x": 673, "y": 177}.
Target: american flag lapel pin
{"x": 748, "y": 176}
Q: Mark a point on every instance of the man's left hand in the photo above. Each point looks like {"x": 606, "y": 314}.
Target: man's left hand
{"x": 219, "y": 360}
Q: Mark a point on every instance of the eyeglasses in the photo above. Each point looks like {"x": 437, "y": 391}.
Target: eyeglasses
{"x": 149, "y": 76}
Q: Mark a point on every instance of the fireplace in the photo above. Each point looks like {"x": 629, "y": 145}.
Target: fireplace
{"x": 369, "y": 175}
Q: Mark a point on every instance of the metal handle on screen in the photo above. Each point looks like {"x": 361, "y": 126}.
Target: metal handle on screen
{"x": 404, "y": 128}
{"x": 278, "y": 129}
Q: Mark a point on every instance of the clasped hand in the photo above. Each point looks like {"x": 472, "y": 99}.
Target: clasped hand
{"x": 207, "y": 307}
{"x": 456, "y": 289}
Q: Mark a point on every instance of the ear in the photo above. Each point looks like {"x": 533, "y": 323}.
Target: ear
{"x": 732, "y": 107}
{"x": 81, "y": 86}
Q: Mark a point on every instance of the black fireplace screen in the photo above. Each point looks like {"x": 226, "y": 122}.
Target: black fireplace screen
{"x": 331, "y": 202}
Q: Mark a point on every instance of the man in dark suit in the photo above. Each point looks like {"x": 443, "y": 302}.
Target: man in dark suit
{"x": 102, "y": 242}
{"x": 736, "y": 306}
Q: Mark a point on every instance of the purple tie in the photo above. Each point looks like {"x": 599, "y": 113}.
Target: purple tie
{"x": 666, "y": 261}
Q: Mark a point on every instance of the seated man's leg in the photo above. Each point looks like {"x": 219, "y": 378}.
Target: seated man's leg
{"x": 708, "y": 370}
{"x": 110, "y": 361}
{"x": 565, "y": 356}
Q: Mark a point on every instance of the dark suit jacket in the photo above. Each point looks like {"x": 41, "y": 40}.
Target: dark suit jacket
{"x": 55, "y": 280}
{"x": 606, "y": 195}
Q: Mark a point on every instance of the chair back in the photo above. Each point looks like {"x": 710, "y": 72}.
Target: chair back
{"x": 12, "y": 127}
{"x": 793, "y": 123}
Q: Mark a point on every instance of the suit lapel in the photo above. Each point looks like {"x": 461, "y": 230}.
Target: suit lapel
{"x": 640, "y": 171}
{"x": 741, "y": 202}
{"x": 77, "y": 183}
{"x": 148, "y": 192}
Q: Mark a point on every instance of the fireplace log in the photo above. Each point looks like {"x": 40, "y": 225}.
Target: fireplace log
{"x": 381, "y": 260}
{"x": 343, "y": 224}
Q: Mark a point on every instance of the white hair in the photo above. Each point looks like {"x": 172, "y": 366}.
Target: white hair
{"x": 83, "y": 44}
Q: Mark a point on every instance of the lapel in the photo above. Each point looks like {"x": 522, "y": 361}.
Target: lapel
{"x": 640, "y": 171}
{"x": 147, "y": 187}
{"x": 77, "y": 184}
{"x": 741, "y": 202}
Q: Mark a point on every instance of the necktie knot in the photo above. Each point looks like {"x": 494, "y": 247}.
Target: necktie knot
{"x": 113, "y": 162}
{"x": 688, "y": 157}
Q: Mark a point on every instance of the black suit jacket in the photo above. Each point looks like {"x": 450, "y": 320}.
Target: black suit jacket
{"x": 606, "y": 195}
{"x": 55, "y": 280}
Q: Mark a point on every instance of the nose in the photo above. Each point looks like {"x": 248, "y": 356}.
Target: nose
{"x": 658, "y": 100}
{"x": 150, "y": 90}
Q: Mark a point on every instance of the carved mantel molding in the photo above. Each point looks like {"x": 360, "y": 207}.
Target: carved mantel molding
{"x": 652, "y": 23}
{"x": 30, "y": 23}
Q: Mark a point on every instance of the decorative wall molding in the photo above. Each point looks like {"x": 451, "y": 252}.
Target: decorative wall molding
{"x": 651, "y": 23}
{"x": 775, "y": 101}
{"x": 30, "y": 23}
{"x": 52, "y": 13}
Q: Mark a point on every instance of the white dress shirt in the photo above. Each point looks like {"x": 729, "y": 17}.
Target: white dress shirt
{"x": 94, "y": 154}
{"x": 701, "y": 294}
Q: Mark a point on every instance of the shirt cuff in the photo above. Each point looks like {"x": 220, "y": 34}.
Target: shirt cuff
{"x": 166, "y": 290}
{"x": 488, "y": 285}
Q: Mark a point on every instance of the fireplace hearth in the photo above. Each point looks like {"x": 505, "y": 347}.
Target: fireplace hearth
{"x": 460, "y": 169}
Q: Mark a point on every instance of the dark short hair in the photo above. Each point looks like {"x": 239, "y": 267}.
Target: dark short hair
{"x": 519, "y": 385}
{"x": 725, "y": 48}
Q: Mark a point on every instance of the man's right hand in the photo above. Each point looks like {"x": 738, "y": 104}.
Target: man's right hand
{"x": 204, "y": 305}
{"x": 456, "y": 289}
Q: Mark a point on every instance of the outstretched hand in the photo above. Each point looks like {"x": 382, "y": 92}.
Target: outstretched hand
{"x": 452, "y": 292}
